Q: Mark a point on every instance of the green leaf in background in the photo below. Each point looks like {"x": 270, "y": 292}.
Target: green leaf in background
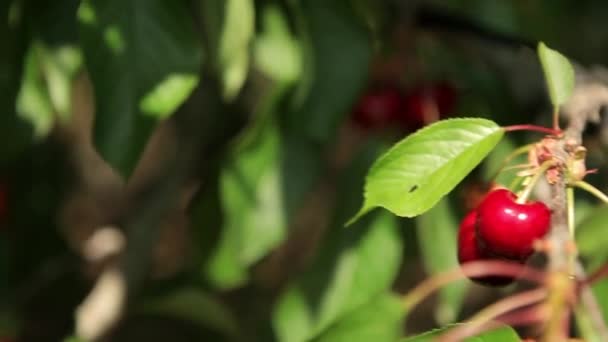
{"x": 591, "y": 238}
{"x": 276, "y": 51}
{"x": 418, "y": 171}
{"x": 236, "y": 35}
{"x": 493, "y": 163}
{"x": 33, "y": 101}
{"x": 559, "y": 74}
{"x": 331, "y": 78}
{"x": 381, "y": 319}
{"x": 15, "y": 132}
{"x": 144, "y": 61}
{"x": 230, "y": 28}
{"x": 255, "y": 222}
{"x": 436, "y": 231}
{"x": 600, "y": 289}
{"x": 354, "y": 266}
{"x": 503, "y": 334}
{"x": 45, "y": 93}
{"x": 193, "y": 305}
{"x": 262, "y": 182}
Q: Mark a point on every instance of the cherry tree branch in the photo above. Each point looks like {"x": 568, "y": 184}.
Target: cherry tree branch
{"x": 562, "y": 262}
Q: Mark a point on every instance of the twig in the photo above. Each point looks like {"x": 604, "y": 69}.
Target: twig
{"x": 471, "y": 269}
{"x": 483, "y": 317}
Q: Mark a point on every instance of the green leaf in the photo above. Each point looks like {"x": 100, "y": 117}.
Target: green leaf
{"x": 277, "y": 52}
{"x": 263, "y": 180}
{"x": 251, "y": 196}
{"x": 437, "y": 230}
{"x": 503, "y": 334}
{"x": 230, "y": 28}
{"x": 193, "y": 305}
{"x": 45, "y": 92}
{"x": 592, "y": 238}
{"x": 378, "y": 320}
{"x": 33, "y": 101}
{"x": 494, "y": 161}
{"x": 418, "y": 171}
{"x": 600, "y": 289}
{"x": 355, "y": 265}
{"x": 337, "y": 52}
{"x": 144, "y": 60}
{"x": 559, "y": 74}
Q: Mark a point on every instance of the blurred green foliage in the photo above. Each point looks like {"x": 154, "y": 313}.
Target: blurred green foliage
{"x": 260, "y": 95}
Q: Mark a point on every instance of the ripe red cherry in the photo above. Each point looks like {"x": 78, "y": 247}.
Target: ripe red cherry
{"x": 427, "y": 104}
{"x": 469, "y": 250}
{"x": 377, "y": 107}
{"x": 507, "y": 228}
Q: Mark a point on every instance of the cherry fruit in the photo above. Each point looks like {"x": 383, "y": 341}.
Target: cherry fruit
{"x": 469, "y": 250}
{"x": 508, "y": 229}
{"x": 377, "y": 107}
{"x": 427, "y": 104}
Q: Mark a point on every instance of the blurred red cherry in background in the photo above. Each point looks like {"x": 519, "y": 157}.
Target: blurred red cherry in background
{"x": 426, "y": 104}
{"x": 377, "y": 107}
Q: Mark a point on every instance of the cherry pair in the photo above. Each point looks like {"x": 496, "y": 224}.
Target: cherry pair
{"x": 382, "y": 105}
{"x": 501, "y": 228}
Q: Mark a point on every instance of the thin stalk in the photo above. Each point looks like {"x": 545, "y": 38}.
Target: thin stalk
{"x": 523, "y": 196}
{"x": 592, "y": 190}
{"x": 515, "y": 153}
{"x": 570, "y": 203}
{"x": 533, "y": 128}
{"x": 491, "y": 312}
{"x": 556, "y": 118}
{"x": 471, "y": 269}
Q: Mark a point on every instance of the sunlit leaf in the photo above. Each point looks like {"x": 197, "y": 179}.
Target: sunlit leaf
{"x": 143, "y": 59}
{"x": 418, "y": 171}
{"x": 559, "y": 74}
{"x": 230, "y": 28}
{"x": 277, "y": 53}
{"x": 503, "y": 334}
{"x": 378, "y": 320}
{"x": 263, "y": 179}
{"x": 355, "y": 264}
{"x": 33, "y": 102}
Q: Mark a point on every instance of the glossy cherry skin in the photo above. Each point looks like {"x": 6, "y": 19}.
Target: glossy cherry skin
{"x": 469, "y": 250}
{"x": 508, "y": 229}
{"x": 377, "y": 107}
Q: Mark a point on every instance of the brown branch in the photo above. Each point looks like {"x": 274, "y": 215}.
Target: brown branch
{"x": 562, "y": 262}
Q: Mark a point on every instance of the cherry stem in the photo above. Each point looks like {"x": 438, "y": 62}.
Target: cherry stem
{"x": 598, "y": 275}
{"x": 483, "y": 317}
{"x": 570, "y": 205}
{"x": 515, "y": 182}
{"x": 523, "y": 196}
{"x": 592, "y": 190}
{"x": 556, "y": 118}
{"x": 518, "y": 151}
{"x": 533, "y": 128}
{"x": 471, "y": 269}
